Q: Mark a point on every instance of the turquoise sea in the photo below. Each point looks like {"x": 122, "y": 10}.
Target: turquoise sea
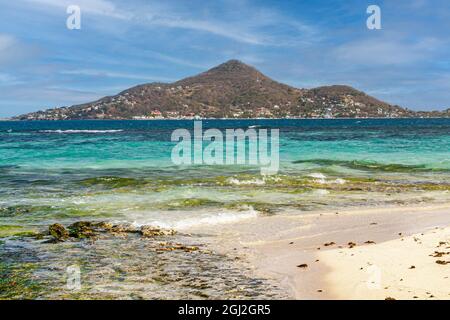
{"x": 121, "y": 171}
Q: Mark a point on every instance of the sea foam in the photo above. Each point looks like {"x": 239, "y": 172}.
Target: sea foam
{"x": 80, "y": 131}
{"x": 202, "y": 220}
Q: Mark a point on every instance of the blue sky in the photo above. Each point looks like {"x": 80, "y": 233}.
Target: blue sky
{"x": 302, "y": 43}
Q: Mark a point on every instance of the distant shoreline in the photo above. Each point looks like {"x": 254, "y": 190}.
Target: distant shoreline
{"x": 234, "y": 90}
{"x": 203, "y": 119}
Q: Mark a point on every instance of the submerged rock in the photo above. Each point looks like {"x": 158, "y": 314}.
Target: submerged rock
{"x": 82, "y": 229}
{"x": 107, "y": 226}
{"x": 87, "y": 229}
{"x": 149, "y": 231}
{"x": 58, "y": 232}
{"x": 124, "y": 228}
{"x": 91, "y": 230}
{"x": 177, "y": 246}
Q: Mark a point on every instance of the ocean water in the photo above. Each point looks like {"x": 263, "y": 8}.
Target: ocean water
{"x": 121, "y": 171}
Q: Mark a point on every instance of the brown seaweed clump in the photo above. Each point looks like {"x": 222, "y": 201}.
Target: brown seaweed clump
{"x": 150, "y": 232}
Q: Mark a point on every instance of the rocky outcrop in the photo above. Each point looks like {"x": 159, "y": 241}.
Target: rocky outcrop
{"x": 92, "y": 230}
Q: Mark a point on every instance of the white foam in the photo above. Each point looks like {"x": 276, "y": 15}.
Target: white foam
{"x": 238, "y": 182}
{"x": 203, "y": 220}
{"x": 321, "y": 179}
{"x": 80, "y": 131}
{"x": 317, "y": 175}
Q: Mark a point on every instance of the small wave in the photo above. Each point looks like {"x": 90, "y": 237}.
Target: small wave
{"x": 80, "y": 131}
{"x": 248, "y": 181}
{"x": 112, "y": 181}
{"x": 234, "y": 181}
{"x": 371, "y": 165}
{"x": 205, "y": 220}
{"x": 320, "y": 178}
{"x": 317, "y": 175}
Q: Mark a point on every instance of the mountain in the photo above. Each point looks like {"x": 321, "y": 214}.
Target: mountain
{"x": 230, "y": 90}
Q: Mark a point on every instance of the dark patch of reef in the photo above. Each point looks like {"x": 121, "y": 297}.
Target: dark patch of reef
{"x": 93, "y": 230}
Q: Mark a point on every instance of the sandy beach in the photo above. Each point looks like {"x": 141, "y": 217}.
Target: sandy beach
{"x": 374, "y": 253}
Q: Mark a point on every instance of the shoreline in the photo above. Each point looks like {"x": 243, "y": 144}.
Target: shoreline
{"x": 400, "y": 252}
{"x": 205, "y": 119}
{"x": 338, "y": 254}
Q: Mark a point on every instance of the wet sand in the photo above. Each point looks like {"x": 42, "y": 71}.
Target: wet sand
{"x": 373, "y": 253}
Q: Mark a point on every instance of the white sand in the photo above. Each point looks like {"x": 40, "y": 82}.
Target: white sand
{"x": 401, "y": 269}
{"x": 276, "y": 245}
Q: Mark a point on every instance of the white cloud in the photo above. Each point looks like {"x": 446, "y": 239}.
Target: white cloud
{"x": 12, "y": 50}
{"x": 7, "y": 79}
{"x": 214, "y": 27}
{"x": 8, "y": 48}
{"x": 385, "y": 52}
{"x": 171, "y": 59}
{"x": 109, "y": 74}
{"x": 248, "y": 24}
{"x": 242, "y": 26}
{"x": 97, "y": 7}
{"x": 53, "y": 96}
{"x": 6, "y": 42}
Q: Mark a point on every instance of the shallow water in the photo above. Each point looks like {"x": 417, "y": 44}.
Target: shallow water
{"x": 126, "y": 268}
{"x": 121, "y": 171}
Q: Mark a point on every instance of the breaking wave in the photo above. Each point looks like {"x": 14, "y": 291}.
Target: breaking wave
{"x": 203, "y": 220}
{"x": 80, "y": 131}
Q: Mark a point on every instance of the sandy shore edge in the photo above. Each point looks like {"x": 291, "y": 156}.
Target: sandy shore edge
{"x": 364, "y": 253}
